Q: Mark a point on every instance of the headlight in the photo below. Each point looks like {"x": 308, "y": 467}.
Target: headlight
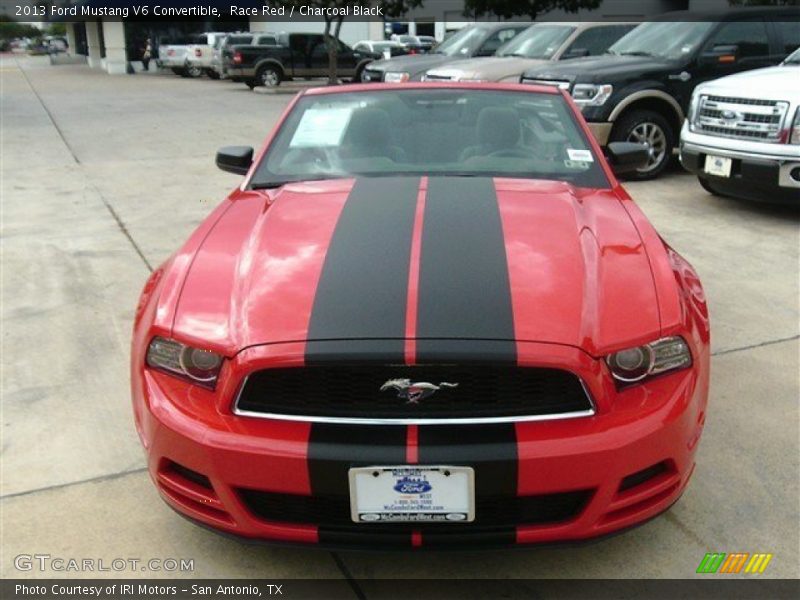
{"x": 634, "y": 364}
{"x": 589, "y": 94}
{"x": 396, "y": 77}
{"x": 693, "y": 104}
{"x": 196, "y": 364}
{"x": 794, "y": 136}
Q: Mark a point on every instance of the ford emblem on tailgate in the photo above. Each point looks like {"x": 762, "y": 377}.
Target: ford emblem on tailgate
{"x": 414, "y": 392}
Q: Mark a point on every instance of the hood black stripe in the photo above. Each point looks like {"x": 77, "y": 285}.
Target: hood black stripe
{"x": 363, "y": 287}
{"x": 464, "y": 289}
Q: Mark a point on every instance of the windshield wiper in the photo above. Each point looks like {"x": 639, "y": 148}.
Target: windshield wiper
{"x": 271, "y": 185}
{"x": 637, "y": 53}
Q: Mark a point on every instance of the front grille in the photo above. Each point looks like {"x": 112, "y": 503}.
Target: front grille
{"x": 742, "y": 118}
{"x": 559, "y": 83}
{"x": 437, "y": 77}
{"x": 354, "y": 391}
{"x": 334, "y": 511}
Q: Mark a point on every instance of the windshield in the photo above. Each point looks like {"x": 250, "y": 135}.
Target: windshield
{"x": 463, "y": 132}
{"x": 540, "y": 41}
{"x": 662, "y": 39}
{"x": 234, "y": 40}
{"x": 465, "y": 42}
{"x": 381, "y": 46}
{"x": 793, "y": 58}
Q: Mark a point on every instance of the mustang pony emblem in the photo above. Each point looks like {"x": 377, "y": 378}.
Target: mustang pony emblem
{"x": 414, "y": 392}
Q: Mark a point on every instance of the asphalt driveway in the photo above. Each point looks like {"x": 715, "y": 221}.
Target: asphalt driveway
{"x": 103, "y": 177}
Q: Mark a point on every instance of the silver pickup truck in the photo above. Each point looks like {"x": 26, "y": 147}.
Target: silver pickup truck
{"x": 184, "y": 55}
{"x": 742, "y": 134}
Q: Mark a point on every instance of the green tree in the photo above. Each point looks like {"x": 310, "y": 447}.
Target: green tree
{"x": 10, "y": 29}
{"x": 333, "y": 22}
{"x": 525, "y": 8}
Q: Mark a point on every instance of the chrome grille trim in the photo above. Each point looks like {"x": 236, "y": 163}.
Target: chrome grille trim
{"x": 560, "y": 84}
{"x": 420, "y": 421}
{"x": 741, "y": 118}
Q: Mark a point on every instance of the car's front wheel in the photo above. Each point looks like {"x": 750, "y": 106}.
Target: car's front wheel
{"x": 654, "y": 131}
{"x": 212, "y": 74}
{"x": 268, "y": 77}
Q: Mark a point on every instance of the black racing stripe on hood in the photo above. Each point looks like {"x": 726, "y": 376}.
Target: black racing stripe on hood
{"x": 334, "y": 448}
{"x": 464, "y": 289}
{"x": 362, "y": 291}
{"x": 490, "y": 449}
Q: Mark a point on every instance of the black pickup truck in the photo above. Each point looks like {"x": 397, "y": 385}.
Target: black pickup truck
{"x": 640, "y": 90}
{"x": 295, "y": 55}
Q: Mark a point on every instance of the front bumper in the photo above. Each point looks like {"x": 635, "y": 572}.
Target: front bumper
{"x": 601, "y": 131}
{"x": 767, "y": 173}
{"x": 254, "y": 477}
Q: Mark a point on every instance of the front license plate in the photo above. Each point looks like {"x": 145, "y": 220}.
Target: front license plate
{"x": 406, "y": 493}
{"x": 718, "y": 165}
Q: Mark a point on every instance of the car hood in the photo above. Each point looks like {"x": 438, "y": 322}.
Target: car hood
{"x": 430, "y": 258}
{"x": 772, "y": 83}
{"x": 491, "y": 68}
{"x": 412, "y": 63}
{"x": 605, "y": 68}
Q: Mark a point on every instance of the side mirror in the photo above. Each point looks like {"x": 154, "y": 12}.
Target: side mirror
{"x": 235, "y": 159}
{"x": 720, "y": 55}
{"x": 626, "y": 157}
{"x": 575, "y": 53}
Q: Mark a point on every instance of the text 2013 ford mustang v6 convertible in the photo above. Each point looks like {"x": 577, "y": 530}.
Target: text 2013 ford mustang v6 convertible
{"x": 429, "y": 316}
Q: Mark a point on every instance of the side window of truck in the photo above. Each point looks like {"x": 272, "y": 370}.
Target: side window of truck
{"x": 597, "y": 39}
{"x": 750, "y": 36}
{"x": 790, "y": 35}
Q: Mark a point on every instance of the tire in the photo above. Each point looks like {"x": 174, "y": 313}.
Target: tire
{"x": 251, "y": 84}
{"x": 704, "y": 183}
{"x": 194, "y": 72}
{"x": 357, "y": 76}
{"x": 178, "y": 71}
{"x": 268, "y": 76}
{"x": 212, "y": 74}
{"x": 650, "y": 127}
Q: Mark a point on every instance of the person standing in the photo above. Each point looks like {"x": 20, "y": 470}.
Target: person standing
{"x": 147, "y": 53}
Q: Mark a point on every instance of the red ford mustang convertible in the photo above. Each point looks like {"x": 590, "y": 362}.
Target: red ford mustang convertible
{"x": 430, "y": 316}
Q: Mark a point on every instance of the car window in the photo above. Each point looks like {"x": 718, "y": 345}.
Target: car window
{"x": 539, "y": 41}
{"x": 596, "y": 40}
{"x": 750, "y": 36}
{"x": 790, "y": 35}
{"x": 428, "y": 132}
{"x": 497, "y": 39}
{"x": 671, "y": 40}
{"x": 461, "y": 43}
{"x": 267, "y": 40}
{"x": 234, "y": 40}
{"x": 361, "y": 47}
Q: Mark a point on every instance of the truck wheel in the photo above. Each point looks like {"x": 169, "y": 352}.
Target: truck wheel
{"x": 194, "y": 72}
{"x": 212, "y": 74}
{"x": 704, "y": 183}
{"x": 178, "y": 71}
{"x": 651, "y": 129}
{"x": 268, "y": 76}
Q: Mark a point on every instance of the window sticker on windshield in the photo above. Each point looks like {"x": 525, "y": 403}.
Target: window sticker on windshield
{"x": 580, "y": 155}
{"x": 581, "y": 165}
{"x": 321, "y": 127}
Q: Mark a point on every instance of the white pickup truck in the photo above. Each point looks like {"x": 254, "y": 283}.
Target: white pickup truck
{"x": 187, "y": 56}
{"x": 742, "y": 134}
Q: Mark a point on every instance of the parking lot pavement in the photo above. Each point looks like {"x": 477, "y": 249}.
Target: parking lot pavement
{"x": 103, "y": 177}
